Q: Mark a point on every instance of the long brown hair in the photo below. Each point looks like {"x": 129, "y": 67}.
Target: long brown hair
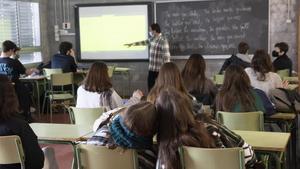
{"x": 261, "y": 64}
{"x": 236, "y": 89}
{"x": 169, "y": 76}
{"x": 177, "y": 127}
{"x": 97, "y": 79}
{"x": 193, "y": 73}
{"x": 9, "y": 103}
{"x": 141, "y": 118}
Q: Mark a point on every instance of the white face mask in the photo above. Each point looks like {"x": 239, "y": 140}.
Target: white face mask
{"x": 151, "y": 34}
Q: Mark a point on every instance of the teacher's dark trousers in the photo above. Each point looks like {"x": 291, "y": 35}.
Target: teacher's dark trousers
{"x": 151, "y": 79}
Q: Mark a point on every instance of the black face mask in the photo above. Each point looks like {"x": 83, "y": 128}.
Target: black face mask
{"x": 275, "y": 54}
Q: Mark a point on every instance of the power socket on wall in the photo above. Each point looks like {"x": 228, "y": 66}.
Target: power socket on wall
{"x": 66, "y": 25}
{"x": 288, "y": 21}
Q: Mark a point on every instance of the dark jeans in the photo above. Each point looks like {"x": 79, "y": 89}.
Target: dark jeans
{"x": 24, "y": 99}
{"x": 151, "y": 79}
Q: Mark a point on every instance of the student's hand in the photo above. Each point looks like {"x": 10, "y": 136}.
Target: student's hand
{"x": 285, "y": 84}
{"x": 128, "y": 44}
{"x": 138, "y": 93}
{"x": 72, "y": 53}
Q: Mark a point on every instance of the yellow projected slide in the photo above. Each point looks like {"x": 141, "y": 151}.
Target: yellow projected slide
{"x": 110, "y": 33}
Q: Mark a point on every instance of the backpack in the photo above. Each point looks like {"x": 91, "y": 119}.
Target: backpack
{"x": 285, "y": 100}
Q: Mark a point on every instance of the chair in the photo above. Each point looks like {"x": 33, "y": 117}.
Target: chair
{"x": 48, "y": 72}
{"x": 253, "y": 121}
{"x": 59, "y": 81}
{"x": 212, "y": 158}
{"x": 218, "y": 79}
{"x": 111, "y": 71}
{"x": 92, "y": 156}
{"x": 11, "y": 150}
{"x": 85, "y": 116}
{"x": 283, "y": 73}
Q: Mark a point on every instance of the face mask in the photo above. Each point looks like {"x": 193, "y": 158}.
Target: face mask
{"x": 151, "y": 34}
{"x": 275, "y": 54}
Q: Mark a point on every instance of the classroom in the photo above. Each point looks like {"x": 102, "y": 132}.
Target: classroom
{"x": 160, "y": 84}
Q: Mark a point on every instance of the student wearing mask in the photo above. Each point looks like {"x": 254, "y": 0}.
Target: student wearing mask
{"x": 159, "y": 52}
{"x": 13, "y": 68}
{"x": 65, "y": 59}
{"x": 282, "y": 61}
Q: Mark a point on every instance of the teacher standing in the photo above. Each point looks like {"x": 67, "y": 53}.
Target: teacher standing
{"x": 159, "y": 52}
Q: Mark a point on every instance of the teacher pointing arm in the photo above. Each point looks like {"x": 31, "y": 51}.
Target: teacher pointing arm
{"x": 159, "y": 52}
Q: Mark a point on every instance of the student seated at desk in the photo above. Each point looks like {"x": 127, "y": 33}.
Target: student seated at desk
{"x": 10, "y": 124}
{"x": 261, "y": 75}
{"x": 178, "y": 127}
{"x": 65, "y": 59}
{"x": 13, "y": 68}
{"x": 97, "y": 91}
{"x": 242, "y": 58}
{"x": 132, "y": 127}
{"x": 169, "y": 76}
{"x": 195, "y": 81}
{"x": 237, "y": 95}
{"x": 282, "y": 61}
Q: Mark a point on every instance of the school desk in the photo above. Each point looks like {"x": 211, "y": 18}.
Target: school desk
{"x": 50, "y": 133}
{"x": 268, "y": 142}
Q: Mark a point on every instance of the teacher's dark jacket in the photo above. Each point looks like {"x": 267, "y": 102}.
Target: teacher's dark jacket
{"x": 34, "y": 157}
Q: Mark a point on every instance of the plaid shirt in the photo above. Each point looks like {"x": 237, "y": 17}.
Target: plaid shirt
{"x": 159, "y": 51}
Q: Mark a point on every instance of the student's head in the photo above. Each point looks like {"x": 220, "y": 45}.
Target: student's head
{"x": 135, "y": 126}
{"x": 177, "y": 127}
{"x": 243, "y": 48}
{"x": 281, "y": 48}
{"x": 8, "y": 99}
{"x": 193, "y": 73}
{"x": 8, "y": 47}
{"x": 65, "y": 48}
{"x": 155, "y": 27}
{"x": 169, "y": 76}
{"x": 16, "y": 54}
{"x": 261, "y": 64}
{"x": 236, "y": 89}
{"x": 97, "y": 79}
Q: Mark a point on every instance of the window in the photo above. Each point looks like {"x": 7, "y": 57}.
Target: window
{"x": 20, "y": 23}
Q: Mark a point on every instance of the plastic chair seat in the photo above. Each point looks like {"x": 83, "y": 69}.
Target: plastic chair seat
{"x": 61, "y": 96}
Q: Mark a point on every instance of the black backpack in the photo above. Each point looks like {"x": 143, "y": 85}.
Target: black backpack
{"x": 285, "y": 100}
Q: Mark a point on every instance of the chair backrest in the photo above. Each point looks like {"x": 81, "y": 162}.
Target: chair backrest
{"x": 92, "y": 156}
{"x": 253, "y": 121}
{"x": 111, "y": 70}
{"x": 283, "y": 73}
{"x": 48, "y": 72}
{"x": 85, "y": 116}
{"x": 218, "y": 79}
{"x": 11, "y": 150}
{"x": 212, "y": 158}
{"x": 62, "y": 79}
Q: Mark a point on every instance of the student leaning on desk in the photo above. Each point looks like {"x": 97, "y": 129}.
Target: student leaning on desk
{"x": 13, "y": 68}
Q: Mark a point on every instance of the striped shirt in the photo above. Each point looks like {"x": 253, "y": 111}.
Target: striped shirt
{"x": 159, "y": 51}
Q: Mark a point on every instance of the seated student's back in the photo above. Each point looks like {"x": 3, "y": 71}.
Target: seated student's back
{"x": 260, "y": 73}
{"x": 65, "y": 59}
{"x": 12, "y": 125}
{"x": 237, "y": 95}
{"x": 195, "y": 81}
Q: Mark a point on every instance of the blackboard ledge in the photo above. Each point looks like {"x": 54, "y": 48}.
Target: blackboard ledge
{"x": 208, "y": 57}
